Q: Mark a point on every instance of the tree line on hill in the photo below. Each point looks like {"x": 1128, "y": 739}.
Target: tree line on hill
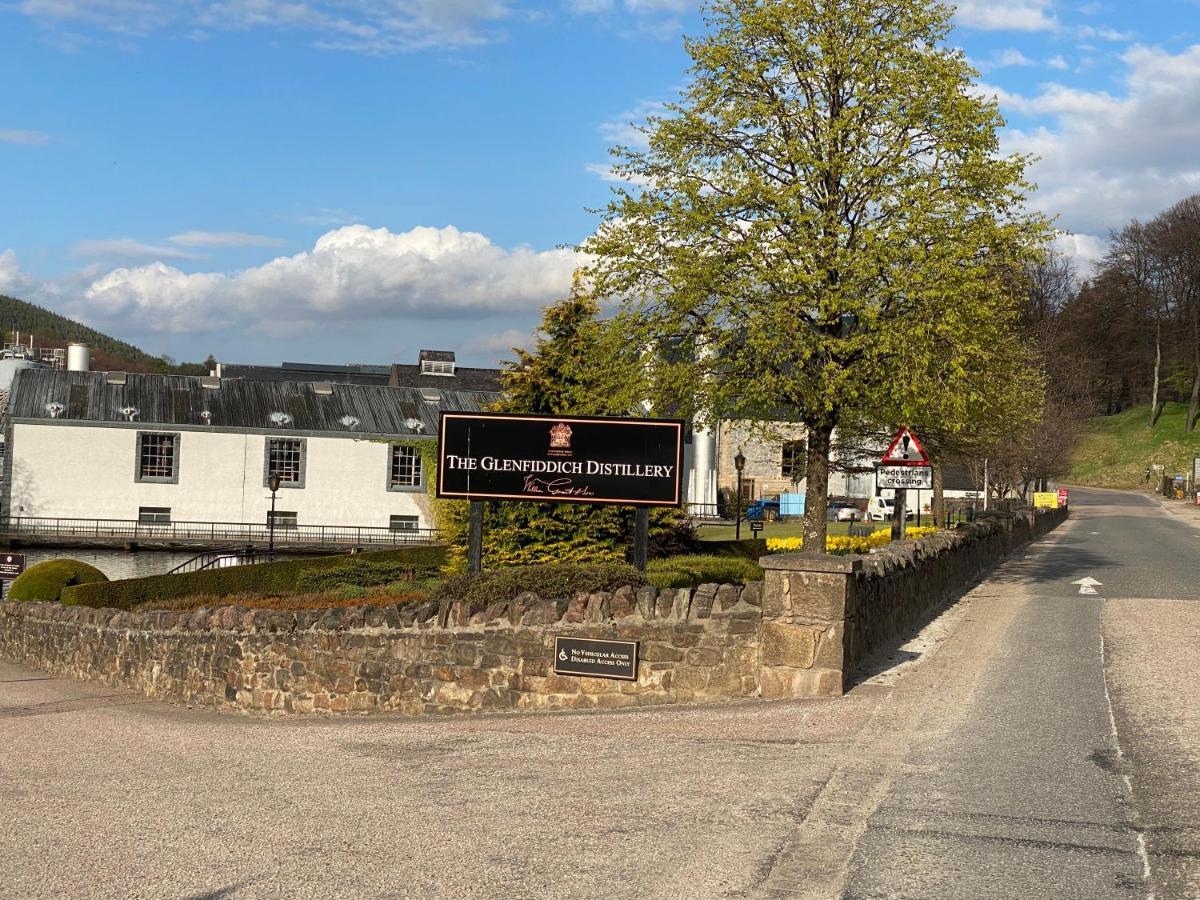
{"x": 51, "y": 330}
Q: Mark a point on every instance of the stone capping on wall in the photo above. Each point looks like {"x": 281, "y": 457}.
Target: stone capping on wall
{"x": 799, "y": 633}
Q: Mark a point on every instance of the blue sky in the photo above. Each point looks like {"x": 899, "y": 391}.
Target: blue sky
{"x": 353, "y": 180}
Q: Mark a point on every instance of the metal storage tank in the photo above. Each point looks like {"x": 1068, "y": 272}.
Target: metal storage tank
{"x": 79, "y": 358}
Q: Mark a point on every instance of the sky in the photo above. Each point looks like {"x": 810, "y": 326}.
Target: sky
{"x": 356, "y": 180}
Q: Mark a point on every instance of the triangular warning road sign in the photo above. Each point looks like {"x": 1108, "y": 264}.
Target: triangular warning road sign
{"x": 905, "y": 450}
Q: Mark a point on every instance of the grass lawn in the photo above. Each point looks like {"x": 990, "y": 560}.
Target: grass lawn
{"x": 1114, "y": 451}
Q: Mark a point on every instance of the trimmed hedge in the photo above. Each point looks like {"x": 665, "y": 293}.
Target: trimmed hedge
{"x": 693, "y": 571}
{"x": 274, "y": 578}
{"x": 747, "y": 548}
{"x": 45, "y": 581}
{"x": 549, "y": 581}
{"x": 358, "y": 572}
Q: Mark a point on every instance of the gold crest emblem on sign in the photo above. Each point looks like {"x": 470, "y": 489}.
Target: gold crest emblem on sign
{"x": 560, "y": 437}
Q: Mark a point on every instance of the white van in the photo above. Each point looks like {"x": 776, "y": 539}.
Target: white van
{"x": 883, "y": 509}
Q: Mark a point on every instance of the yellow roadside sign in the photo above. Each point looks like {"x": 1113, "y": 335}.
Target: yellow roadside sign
{"x": 1045, "y": 500}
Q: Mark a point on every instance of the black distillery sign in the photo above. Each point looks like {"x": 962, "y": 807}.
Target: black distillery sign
{"x": 11, "y": 564}
{"x": 597, "y": 659}
{"x": 560, "y": 459}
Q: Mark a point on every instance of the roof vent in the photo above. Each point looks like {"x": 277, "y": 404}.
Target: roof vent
{"x": 281, "y": 418}
{"x": 129, "y": 412}
{"x": 414, "y": 425}
{"x": 210, "y": 382}
{"x": 55, "y": 409}
{"x": 115, "y": 378}
{"x": 429, "y": 395}
{"x": 322, "y": 387}
{"x": 349, "y": 422}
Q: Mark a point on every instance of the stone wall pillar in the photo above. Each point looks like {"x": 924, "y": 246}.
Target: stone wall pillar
{"x": 809, "y": 609}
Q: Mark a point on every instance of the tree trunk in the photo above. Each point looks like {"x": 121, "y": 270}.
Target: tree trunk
{"x": 1157, "y": 368}
{"x": 937, "y": 506}
{"x": 816, "y": 499}
{"x": 1194, "y": 402}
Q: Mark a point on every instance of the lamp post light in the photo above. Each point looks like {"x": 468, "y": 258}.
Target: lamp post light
{"x": 273, "y": 484}
{"x": 739, "y": 463}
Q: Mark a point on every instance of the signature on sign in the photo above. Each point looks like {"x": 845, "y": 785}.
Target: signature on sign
{"x": 557, "y": 487}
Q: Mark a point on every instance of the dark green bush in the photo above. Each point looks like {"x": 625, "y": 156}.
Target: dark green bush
{"x": 747, "y": 548}
{"x": 46, "y": 580}
{"x": 266, "y": 579}
{"x": 361, "y": 572}
{"x": 549, "y": 581}
{"x": 692, "y": 571}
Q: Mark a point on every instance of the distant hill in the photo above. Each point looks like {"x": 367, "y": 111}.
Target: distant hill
{"x": 49, "y": 329}
{"x": 1114, "y": 451}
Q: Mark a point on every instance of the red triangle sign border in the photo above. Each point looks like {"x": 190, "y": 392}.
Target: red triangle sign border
{"x": 889, "y": 460}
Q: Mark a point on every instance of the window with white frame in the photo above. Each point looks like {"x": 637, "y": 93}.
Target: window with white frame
{"x": 285, "y": 458}
{"x": 404, "y": 523}
{"x": 404, "y": 473}
{"x": 157, "y": 457}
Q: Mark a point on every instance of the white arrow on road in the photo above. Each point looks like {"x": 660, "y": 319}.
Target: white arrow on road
{"x": 1088, "y": 585}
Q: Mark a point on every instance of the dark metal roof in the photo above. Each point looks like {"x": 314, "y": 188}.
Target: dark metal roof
{"x": 436, "y": 356}
{"x": 179, "y": 400}
{"x": 308, "y": 372}
{"x": 463, "y": 379}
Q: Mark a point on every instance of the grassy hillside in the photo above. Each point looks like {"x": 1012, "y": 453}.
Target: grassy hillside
{"x": 1114, "y": 451}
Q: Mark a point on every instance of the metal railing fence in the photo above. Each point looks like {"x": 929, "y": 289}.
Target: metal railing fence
{"x": 215, "y": 532}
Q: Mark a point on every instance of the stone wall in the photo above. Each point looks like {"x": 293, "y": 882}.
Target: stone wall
{"x": 695, "y": 644}
{"x": 823, "y": 615}
{"x": 799, "y": 633}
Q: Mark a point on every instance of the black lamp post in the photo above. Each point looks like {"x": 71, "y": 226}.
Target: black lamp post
{"x": 273, "y": 484}
{"x": 739, "y": 463}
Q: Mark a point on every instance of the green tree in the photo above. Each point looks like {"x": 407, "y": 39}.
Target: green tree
{"x": 826, "y": 213}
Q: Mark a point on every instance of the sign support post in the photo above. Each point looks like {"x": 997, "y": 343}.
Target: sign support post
{"x": 475, "y": 537}
{"x": 901, "y": 514}
{"x": 641, "y": 537}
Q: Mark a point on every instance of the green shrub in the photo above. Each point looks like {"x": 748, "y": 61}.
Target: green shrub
{"x": 46, "y": 580}
{"x": 361, "y": 572}
{"x": 692, "y": 571}
{"x": 266, "y": 579}
{"x": 747, "y": 548}
{"x": 549, "y": 581}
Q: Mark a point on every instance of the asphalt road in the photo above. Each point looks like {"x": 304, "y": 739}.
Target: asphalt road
{"x": 1033, "y": 742}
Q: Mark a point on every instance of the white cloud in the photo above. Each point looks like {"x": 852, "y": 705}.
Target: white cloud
{"x": 1104, "y": 33}
{"x": 351, "y": 272}
{"x": 1005, "y": 59}
{"x": 1014, "y": 15}
{"x": 1058, "y": 62}
{"x": 1106, "y": 159}
{"x": 499, "y": 345}
{"x": 1084, "y": 250}
{"x": 13, "y": 281}
{"x": 223, "y": 239}
{"x": 372, "y": 26}
{"x": 326, "y": 217}
{"x": 127, "y": 248}
{"x": 23, "y": 136}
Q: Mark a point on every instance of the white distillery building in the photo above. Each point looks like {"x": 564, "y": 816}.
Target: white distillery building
{"x": 159, "y": 449}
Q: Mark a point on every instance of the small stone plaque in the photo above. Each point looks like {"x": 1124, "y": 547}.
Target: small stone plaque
{"x": 596, "y": 659}
{"x": 11, "y": 564}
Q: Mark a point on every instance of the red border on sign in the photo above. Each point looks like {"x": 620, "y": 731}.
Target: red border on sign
{"x": 887, "y": 461}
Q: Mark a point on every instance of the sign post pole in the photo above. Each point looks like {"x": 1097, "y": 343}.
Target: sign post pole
{"x": 898, "y": 524}
{"x": 475, "y": 537}
{"x": 641, "y": 537}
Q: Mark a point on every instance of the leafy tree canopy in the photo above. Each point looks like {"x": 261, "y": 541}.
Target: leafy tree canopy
{"x": 825, "y": 218}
